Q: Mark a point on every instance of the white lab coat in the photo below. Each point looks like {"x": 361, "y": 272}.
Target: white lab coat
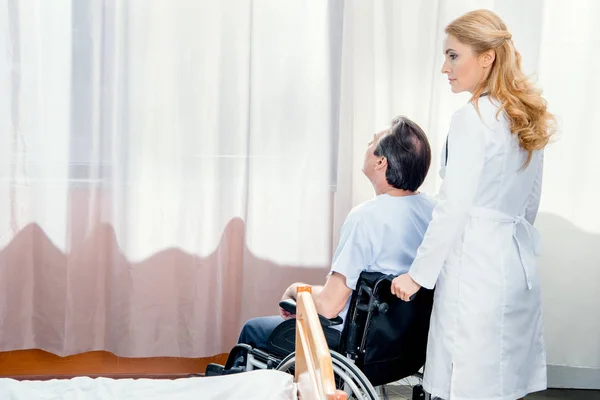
{"x": 485, "y": 340}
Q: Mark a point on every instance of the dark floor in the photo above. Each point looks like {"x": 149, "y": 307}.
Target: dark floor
{"x": 397, "y": 392}
{"x": 566, "y": 394}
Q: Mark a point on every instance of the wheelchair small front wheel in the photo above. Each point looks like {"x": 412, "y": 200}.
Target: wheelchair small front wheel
{"x": 347, "y": 376}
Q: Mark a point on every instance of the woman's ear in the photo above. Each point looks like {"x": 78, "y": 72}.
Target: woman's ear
{"x": 487, "y": 58}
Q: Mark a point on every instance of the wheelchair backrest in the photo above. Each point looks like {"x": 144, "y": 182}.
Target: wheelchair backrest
{"x": 386, "y": 336}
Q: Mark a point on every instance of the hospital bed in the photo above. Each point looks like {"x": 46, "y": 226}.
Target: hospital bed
{"x": 312, "y": 378}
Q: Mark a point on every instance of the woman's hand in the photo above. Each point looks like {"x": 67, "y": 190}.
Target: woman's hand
{"x": 403, "y": 287}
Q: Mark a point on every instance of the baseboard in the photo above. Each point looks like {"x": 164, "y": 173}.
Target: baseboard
{"x": 561, "y": 377}
{"x": 32, "y": 363}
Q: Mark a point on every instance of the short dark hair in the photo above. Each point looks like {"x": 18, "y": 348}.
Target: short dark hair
{"x": 408, "y": 154}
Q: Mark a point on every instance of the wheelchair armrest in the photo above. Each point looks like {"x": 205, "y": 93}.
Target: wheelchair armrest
{"x": 289, "y": 305}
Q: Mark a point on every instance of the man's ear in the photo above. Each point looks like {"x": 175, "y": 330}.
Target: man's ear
{"x": 381, "y": 163}
{"x": 487, "y": 58}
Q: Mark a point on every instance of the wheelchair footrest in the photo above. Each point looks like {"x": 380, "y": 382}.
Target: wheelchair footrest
{"x": 214, "y": 370}
{"x": 234, "y": 370}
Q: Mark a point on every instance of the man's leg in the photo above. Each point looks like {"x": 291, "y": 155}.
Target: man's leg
{"x": 256, "y": 331}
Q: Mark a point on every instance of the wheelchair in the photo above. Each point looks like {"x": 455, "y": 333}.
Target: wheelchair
{"x": 384, "y": 340}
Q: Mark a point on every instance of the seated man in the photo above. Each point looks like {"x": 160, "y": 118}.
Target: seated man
{"x": 379, "y": 235}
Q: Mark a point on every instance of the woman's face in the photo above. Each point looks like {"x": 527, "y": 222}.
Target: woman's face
{"x": 464, "y": 68}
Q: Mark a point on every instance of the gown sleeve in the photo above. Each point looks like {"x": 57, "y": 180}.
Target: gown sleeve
{"x": 355, "y": 250}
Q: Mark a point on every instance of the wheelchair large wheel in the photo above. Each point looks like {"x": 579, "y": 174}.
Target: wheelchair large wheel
{"x": 347, "y": 376}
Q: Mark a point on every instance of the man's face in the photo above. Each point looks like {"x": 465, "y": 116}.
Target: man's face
{"x": 372, "y": 163}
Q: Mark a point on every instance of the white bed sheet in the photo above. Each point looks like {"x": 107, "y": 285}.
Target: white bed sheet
{"x": 254, "y": 385}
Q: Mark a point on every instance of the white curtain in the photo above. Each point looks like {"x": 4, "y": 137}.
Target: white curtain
{"x": 392, "y": 57}
{"x": 166, "y": 168}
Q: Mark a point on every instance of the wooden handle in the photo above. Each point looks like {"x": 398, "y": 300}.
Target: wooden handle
{"x": 303, "y": 289}
{"x": 314, "y": 367}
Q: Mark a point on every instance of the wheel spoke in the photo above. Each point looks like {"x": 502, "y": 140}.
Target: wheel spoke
{"x": 347, "y": 376}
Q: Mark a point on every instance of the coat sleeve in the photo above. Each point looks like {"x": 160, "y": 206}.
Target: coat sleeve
{"x": 466, "y": 158}
{"x": 533, "y": 203}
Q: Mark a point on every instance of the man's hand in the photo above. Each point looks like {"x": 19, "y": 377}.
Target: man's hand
{"x": 289, "y": 294}
{"x": 403, "y": 287}
{"x": 286, "y": 315}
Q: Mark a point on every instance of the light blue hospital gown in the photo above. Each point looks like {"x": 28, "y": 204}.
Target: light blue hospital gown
{"x": 381, "y": 235}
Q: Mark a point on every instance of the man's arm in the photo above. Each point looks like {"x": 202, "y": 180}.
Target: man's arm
{"x": 329, "y": 299}
{"x": 353, "y": 254}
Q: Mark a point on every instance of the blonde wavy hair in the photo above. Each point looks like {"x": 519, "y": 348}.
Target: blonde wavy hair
{"x": 523, "y": 103}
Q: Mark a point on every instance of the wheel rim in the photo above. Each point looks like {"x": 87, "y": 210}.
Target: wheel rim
{"x": 359, "y": 384}
{"x": 364, "y": 382}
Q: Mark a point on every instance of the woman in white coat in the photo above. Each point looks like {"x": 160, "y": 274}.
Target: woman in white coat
{"x": 485, "y": 340}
